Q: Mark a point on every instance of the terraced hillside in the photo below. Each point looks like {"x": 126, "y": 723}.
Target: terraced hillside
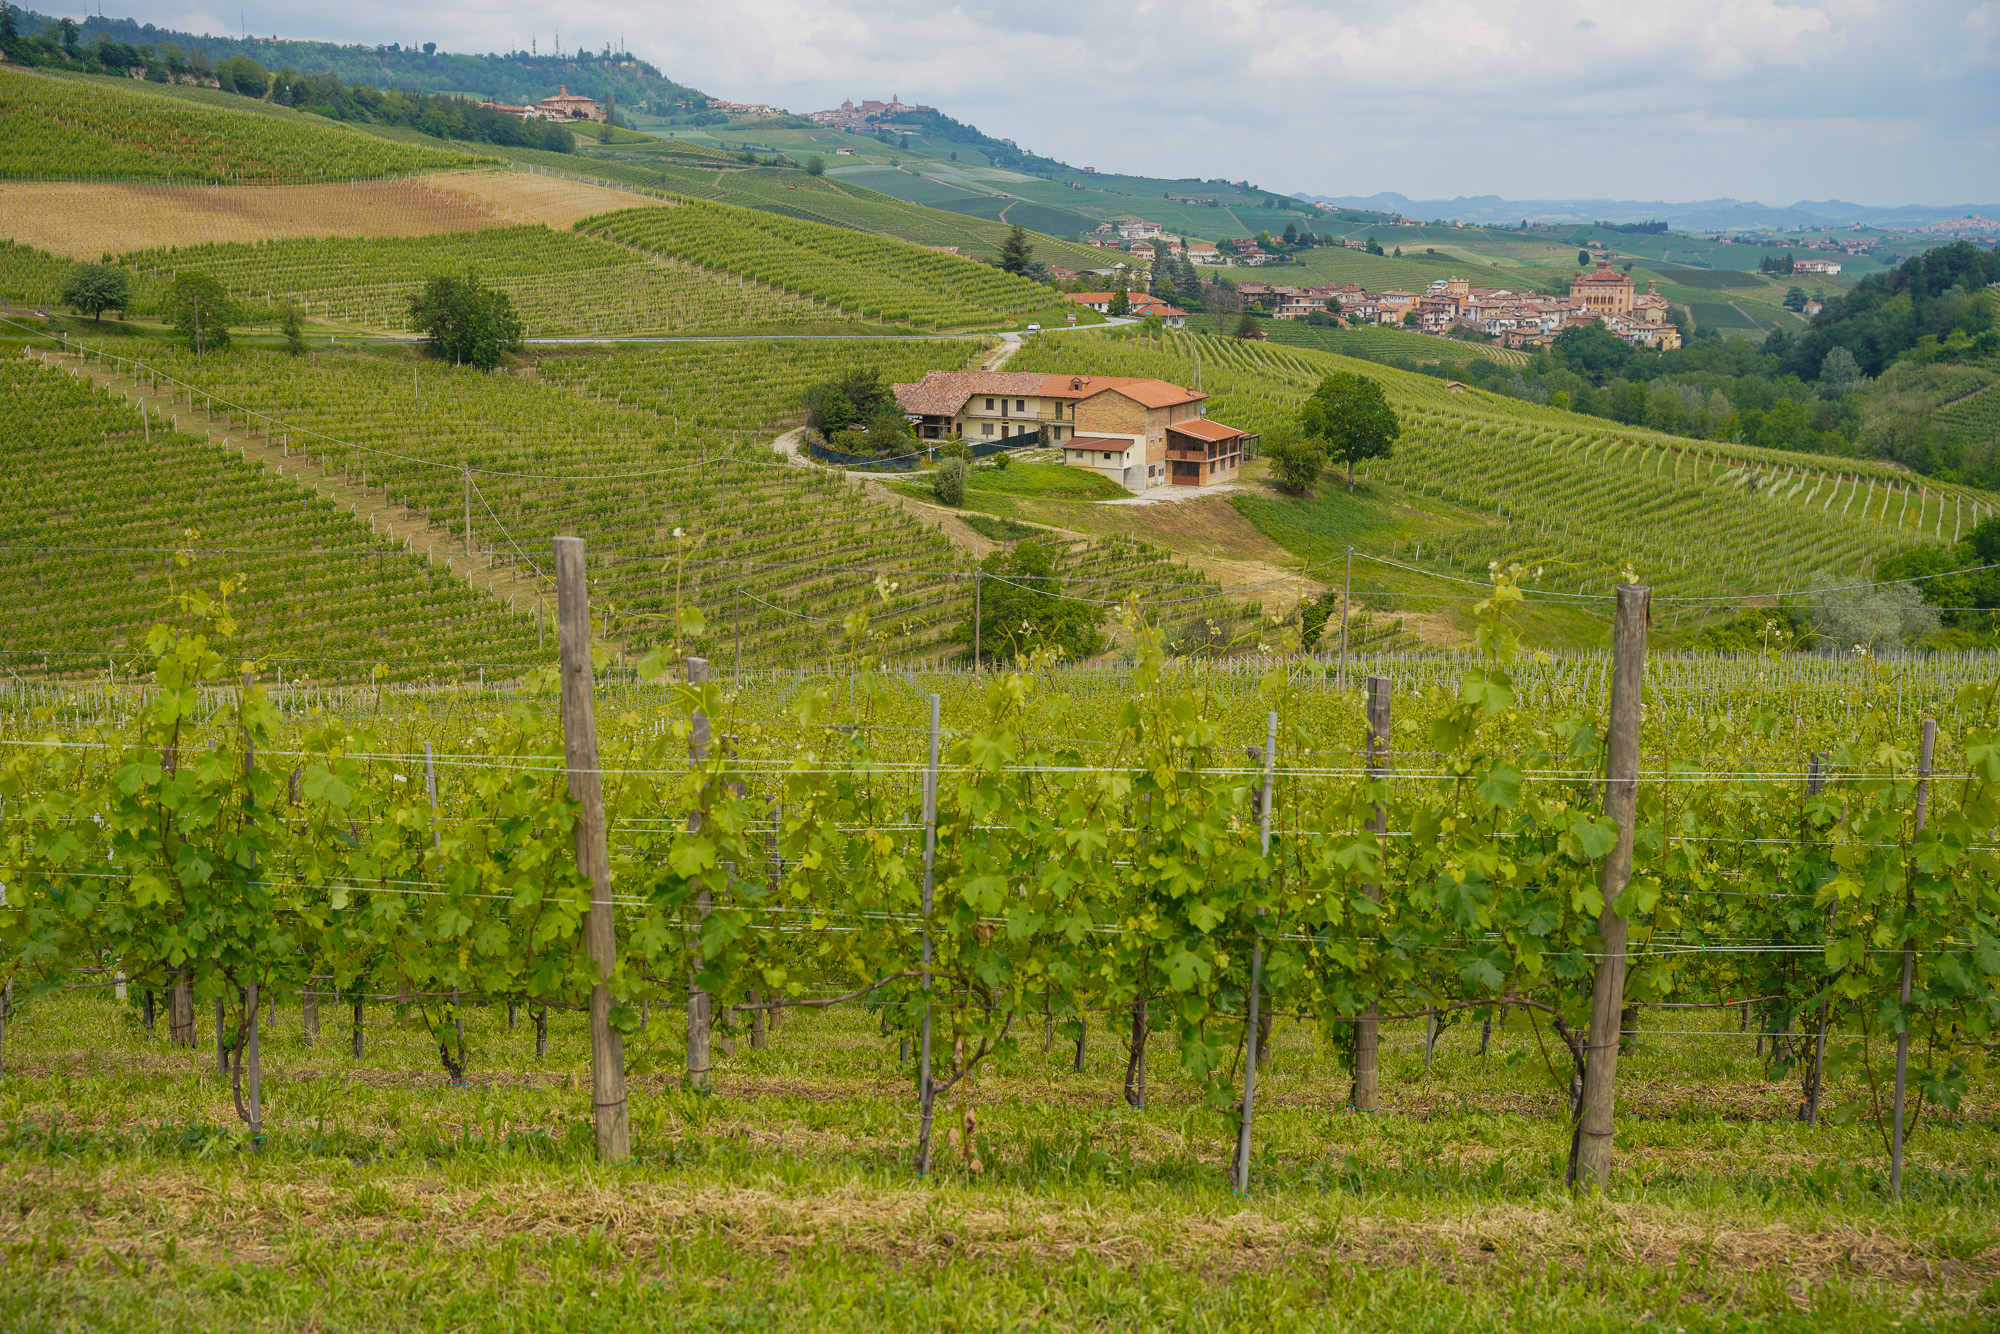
{"x": 869, "y": 277}
{"x": 101, "y": 498}
{"x": 1584, "y": 497}
{"x": 64, "y": 128}
{"x": 775, "y": 553}
{"x": 561, "y": 283}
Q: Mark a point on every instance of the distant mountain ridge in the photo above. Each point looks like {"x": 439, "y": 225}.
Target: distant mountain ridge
{"x": 1702, "y": 215}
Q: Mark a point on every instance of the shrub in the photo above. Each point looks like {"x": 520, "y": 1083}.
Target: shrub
{"x": 948, "y": 482}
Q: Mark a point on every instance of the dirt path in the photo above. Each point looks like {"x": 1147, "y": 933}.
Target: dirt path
{"x": 369, "y": 504}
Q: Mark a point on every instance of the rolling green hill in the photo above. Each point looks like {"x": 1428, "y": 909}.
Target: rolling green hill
{"x": 60, "y": 126}
{"x": 109, "y": 498}
{"x": 1478, "y": 478}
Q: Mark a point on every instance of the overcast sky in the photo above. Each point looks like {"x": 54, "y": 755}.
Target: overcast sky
{"x": 1873, "y": 101}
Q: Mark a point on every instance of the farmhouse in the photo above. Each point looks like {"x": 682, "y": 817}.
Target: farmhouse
{"x": 1828, "y": 266}
{"x": 1140, "y": 433}
{"x": 1147, "y": 433}
{"x": 987, "y": 406}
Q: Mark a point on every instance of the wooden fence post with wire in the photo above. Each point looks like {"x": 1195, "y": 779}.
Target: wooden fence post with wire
{"x": 1590, "y": 1141}
{"x": 586, "y": 786}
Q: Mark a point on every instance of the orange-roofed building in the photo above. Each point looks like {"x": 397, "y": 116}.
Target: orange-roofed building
{"x": 1140, "y": 433}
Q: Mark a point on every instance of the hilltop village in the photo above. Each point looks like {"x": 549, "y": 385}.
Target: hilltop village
{"x": 1516, "y": 318}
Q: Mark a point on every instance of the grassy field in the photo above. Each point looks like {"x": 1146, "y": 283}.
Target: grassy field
{"x": 784, "y": 1199}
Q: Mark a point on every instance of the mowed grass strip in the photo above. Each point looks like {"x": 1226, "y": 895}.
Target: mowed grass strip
{"x": 784, "y": 1200}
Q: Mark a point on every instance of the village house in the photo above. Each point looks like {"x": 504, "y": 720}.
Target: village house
{"x": 1827, "y": 266}
{"x": 1147, "y": 433}
{"x": 525, "y": 113}
{"x": 1203, "y": 253}
{"x": 1140, "y": 433}
{"x": 986, "y": 406}
{"x": 1142, "y": 304}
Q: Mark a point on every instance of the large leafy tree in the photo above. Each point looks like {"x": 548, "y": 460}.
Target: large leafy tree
{"x": 92, "y": 289}
{"x": 1351, "y": 414}
{"x": 201, "y": 311}
{"x": 1022, "y": 609}
{"x": 468, "y": 323}
{"x": 850, "y": 398}
{"x": 1295, "y": 460}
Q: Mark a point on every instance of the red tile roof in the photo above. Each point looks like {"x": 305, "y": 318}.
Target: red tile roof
{"x": 1201, "y": 428}
{"x": 943, "y": 393}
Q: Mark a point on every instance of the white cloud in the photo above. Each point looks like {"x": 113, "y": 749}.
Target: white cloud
{"x": 1676, "y": 99}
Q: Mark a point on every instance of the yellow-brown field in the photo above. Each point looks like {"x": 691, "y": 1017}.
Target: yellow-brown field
{"x": 85, "y": 220}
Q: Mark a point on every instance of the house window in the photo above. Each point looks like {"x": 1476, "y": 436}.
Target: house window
{"x": 1020, "y": 405}
{"x": 986, "y": 428}
{"x": 1107, "y": 456}
{"x": 989, "y": 405}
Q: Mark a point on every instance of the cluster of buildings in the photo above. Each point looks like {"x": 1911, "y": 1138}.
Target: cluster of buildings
{"x": 744, "y": 108}
{"x": 1140, "y": 433}
{"x": 857, "y": 117}
{"x": 563, "y": 106}
{"x": 1518, "y": 319}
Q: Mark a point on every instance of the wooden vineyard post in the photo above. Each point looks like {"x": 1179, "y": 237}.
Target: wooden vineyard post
{"x": 1346, "y": 597}
{"x": 1253, "y": 1034}
{"x": 1367, "y": 1095}
{"x": 586, "y": 786}
{"x": 431, "y": 791}
{"x": 926, "y": 1096}
{"x": 309, "y": 1013}
{"x": 180, "y": 1009}
{"x": 1590, "y": 1141}
{"x": 254, "y": 1064}
{"x": 221, "y": 1039}
{"x": 978, "y": 583}
{"x": 701, "y": 1018}
{"x": 468, "y": 510}
{"x": 1909, "y": 971}
{"x": 1809, "y": 1108}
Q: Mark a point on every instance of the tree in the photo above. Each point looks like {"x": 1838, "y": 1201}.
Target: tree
{"x": 1022, "y": 608}
{"x": 1121, "y": 303}
{"x": 1583, "y": 259}
{"x": 10, "y": 25}
{"x": 92, "y": 289}
{"x": 948, "y": 482}
{"x": 1246, "y": 325}
{"x": 295, "y": 339}
{"x": 1016, "y": 255}
{"x": 68, "y": 30}
{"x": 201, "y": 311}
{"x": 815, "y": 165}
{"x": 468, "y": 323}
{"x": 852, "y": 396}
{"x": 1352, "y": 415}
{"x": 1839, "y": 373}
{"x": 1795, "y": 298}
{"x": 1295, "y": 460}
